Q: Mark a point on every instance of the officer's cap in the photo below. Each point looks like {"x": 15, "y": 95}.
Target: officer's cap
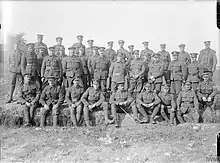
{"x": 207, "y": 42}
{"x": 90, "y": 41}
{"x": 163, "y": 45}
{"x": 71, "y": 47}
{"x": 95, "y": 48}
{"x": 59, "y": 38}
{"x": 175, "y": 53}
{"x": 40, "y": 35}
{"x": 96, "y": 82}
{"x": 131, "y": 46}
{"x": 101, "y": 48}
{"x": 51, "y": 48}
{"x": 182, "y": 45}
{"x": 121, "y": 41}
{"x": 193, "y": 54}
{"x": 79, "y": 36}
{"x": 145, "y": 42}
{"x": 147, "y": 85}
{"x": 30, "y": 45}
{"x": 110, "y": 42}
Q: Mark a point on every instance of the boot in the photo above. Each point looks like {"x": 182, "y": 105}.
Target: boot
{"x": 11, "y": 94}
{"x": 87, "y": 123}
{"x": 171, "y": 119}
{"x": 55, "y": 119}
{"x": 42, "y": 120}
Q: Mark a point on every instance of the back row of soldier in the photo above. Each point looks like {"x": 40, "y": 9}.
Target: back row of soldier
{"x": 131, "y": 78}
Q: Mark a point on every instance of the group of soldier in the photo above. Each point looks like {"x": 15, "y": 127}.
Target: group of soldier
{"x": 129, "y": 81}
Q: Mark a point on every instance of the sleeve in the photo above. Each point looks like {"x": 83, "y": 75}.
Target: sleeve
{"x": 188, "y": 59}
{"x": 84, "y": 97}
{"x": 20, "y": 97}
{"x": 68, "y": 96}
{"x": 214, "y": 61}
{"x": 23, "y": 64}
{"x": 184, "y": 70}
{"x": 200, "y": 71}
{"x": 161, "y": 72}
{"x": 168, "y": 57}
{"x": 36, "y": 99}
{"x": 101, "y": 100}
{"x": 178, "y": 101}
{"x": 43, "y": 67}
{"x": 61, "y": 96}
{"x": 157, "y": 100}
{"x": 214, "y": 92}
{"x": 64, "y": 65}
{"x": 60, "y": 67}
{"x": 198, "y": 89}
{"x": 42, "y": 97}
{"x": 111, "y": 68}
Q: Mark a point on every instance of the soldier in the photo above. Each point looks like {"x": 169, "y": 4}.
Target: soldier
{"x": 122, "y": 99}
{"x": 40, "y": 43}
{"x": 73, "y": 96}
{"x": 123, "y": 51}
{"x": 29, "y": 64}
{"x": 40, "y": 56}
{"x": 187, "y": 105}
{"x": 58, "y": 46}
{"x": 89, "y": 50}
{"x": 184, "y": 56}
{"x": 72, "y": 67}
{"x": 206, "y": 92}
{"x": 194, "y": 71}
{"x": 117, "y": 72}
{"x": 61, "y": 53}
{"x": 178, "y": 73}
{"x": 79, "y": 43}
{"x": 155, "y": 73}
{"x": 207, "y": 58}
{"x": 101, "y": 67}
{"x": 137, "y": 70}
{"x": 130, "y": 52}
{"x": 51, "y": 66}
{"x": 165, "y": 58}
{"x": 168, "y": 104}
{"x": 91, "y": 61}
{"x": 110, "y": 53}
{"x": 148, "y": 103}
{"x": 94, "y": 99}
{"x": 146, "y": 52}
{"x": 52, "y": 98}
{"x": 15, "y": 70}
{"x": 29, "y": 96}
{"x": 85, "y": 75}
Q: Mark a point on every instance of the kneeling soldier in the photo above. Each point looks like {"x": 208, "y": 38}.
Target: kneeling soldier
{"x": 167, "y": 102}
{"x": 73, "y": 96}
{"x": 149, "y": 100}
{"x": 51, "y": 98}
{"x": 92, "y": 99}
{"x": 187, "y": 105}
{"x": 122, "y": 99}
{"x": 29, "y": 96}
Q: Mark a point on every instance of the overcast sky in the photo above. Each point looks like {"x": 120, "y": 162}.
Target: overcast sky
{"x": 168, "y": 22}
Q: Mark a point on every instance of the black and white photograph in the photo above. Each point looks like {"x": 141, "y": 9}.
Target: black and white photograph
{"x": 113, "y": 81}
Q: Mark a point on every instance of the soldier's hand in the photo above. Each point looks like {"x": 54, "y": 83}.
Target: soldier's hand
{"x": 28, "y": 104}
{"x": 209, "y": 99}
{"x": 204, "y": 99}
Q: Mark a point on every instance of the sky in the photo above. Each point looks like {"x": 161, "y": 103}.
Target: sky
{"x": 159, "y": 22}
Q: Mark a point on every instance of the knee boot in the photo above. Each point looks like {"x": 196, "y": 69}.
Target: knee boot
{"x": 11, "y": 94}
{"x": 55, "y": 119}
{"x": 42, "y": 120}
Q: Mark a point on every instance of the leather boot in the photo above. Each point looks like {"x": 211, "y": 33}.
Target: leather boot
{"x": 55, "y": 119}
{"x": 11, "y": 94}
{"x": 42, "y": 120}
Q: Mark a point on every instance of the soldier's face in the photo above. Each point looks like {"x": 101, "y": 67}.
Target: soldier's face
{"x": 121, "y": 87}
{"x": 90, "y": 44}
{"x": 207, "y": 45}
{"x": 31, "y": 49}
{"x": 162, "y": 48}
{"x": 166, "y": 90}
{"x": 119, "y": 58}
{"x": 147, "y": 88}
{"x": 121, "y": 45}
{"x": 131, "y": 50}
{"x": 95, "y": 51}
{"x": 71, "y": 52}
{"x": 59, "y": 42}
{"x": 182, "y": 48}
{"x": 81, "y": 52}
{"x": 76, "y": 82}
{"x": 27, "y": 79}
{"x": 110, "y": 46}
{"x": 156, "y": 59}
{"x": 145, "y": 46}
{"x": 205, "y": 78}
{"x": 40, "y": 39}
{"x": 95, "y": 86}
{"x": 41, "y": 51}
{"x": 193, "y": 59}
{"x": 80, "y": 40}
{"x": 175, "y": 57}
{"x": 51, "y": 82}
{"x": 62, "y": 52}
{"x": 51, "y": 52}
{"x": 188, "y": 86}
{"x": 136, "y": 55}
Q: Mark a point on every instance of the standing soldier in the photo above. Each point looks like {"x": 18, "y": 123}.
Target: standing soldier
{"x": 73, "y": 96}
{"x": 207, "y": 58}
{"x": 78, "y": 44}
{"x": 61, "y": 53}
{"x": 184, "y": 56}
{"x": 92, "y": 60}
{"x": 122, "y": 99}
{"x": 40, "y": 56}
{"x": 89, "y": 50}
{"x": 29, "y": 64}
{"x": 40, "y": 43}
{"x": 147, "y": 52}
{"x": 85, "y": 76}
{"x": 178, "y": 73}
{"x": 72, "y": 68}
{"x": 93, "y": 99}
{"x": 123, "y": 51}
{"x": 52, "y": 98}
{"x": 156, "y": 72}
{"x": 101, "y": 68}
{"x": 187, "y": 105}
{"x": 110, "y": 53}
{"x": 194, "y": 71}
{"x": 29, "y": 96}
{"x": 165, "y": 58}
{"x": 15, "y": 70}
{"x": 149, "y": 100}
{"x": 117, "y": 72}
{"x": 206, "y": 92}
{"x": 130, "y": 52}
{"x": 58, "y": 46}
{"x": 51, "y": 66}
{"x": 137, "y": 69}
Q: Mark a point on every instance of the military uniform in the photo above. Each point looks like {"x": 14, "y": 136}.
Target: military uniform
{"x": 126, "y": 55}
{"x": 85, "y": 75}
{"x": 91, "y": 62}
{"x": 30, "y": 93}
{"x": 122, "y": 99}
{"x": 93, "y": 97}
{"x": 79, "y": 44}
{"x": 58, "y": 46}
{"x": 178, "y": 73}
{"x": 40, "y": 56}
{"x": 146, "y": 52}
{"x": 151, "y": 100}
{"x": 216, "y": 106}
{"x": 184, "y": 56}
{"x": 110, "y": 53}
{"x": 187, "y": 106}
{"x": 137, "y": 69}
{"x": 52, "y": 98}
{"x": 73, "y": 97}
{"x": 206, "y": 92}
{"x": 155, "y": 73}
{"x": 15, "y": 71}
{"x": 37, "y": 45}
{"x": 195, "y": 71}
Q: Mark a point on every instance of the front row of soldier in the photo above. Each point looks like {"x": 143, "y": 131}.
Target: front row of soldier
{"x": 189, "y": 105}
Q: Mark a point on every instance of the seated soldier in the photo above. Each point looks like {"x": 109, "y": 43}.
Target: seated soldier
{"x": 52, "y": 98}
{"x": 28, "y": 97}
{"x": 187, "y": 105}
{"x": 93, "y": 99}
{"x": 121, "y": 99}
{"x": 73, "y": 96}
{"x": 206, "y": 92}
{"x": 167, "y": 102}
{"x": 148, "y": 100}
